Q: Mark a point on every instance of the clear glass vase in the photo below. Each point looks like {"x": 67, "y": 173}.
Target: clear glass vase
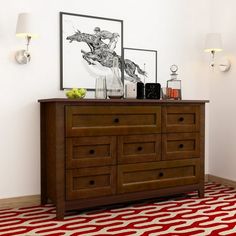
{"x": 115, "y": 88}
{"x": 100, "y": 88}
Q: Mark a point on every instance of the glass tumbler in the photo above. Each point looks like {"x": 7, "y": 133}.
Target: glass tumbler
{"x": 164, "y": 93}
{"x": 101, "y": 88}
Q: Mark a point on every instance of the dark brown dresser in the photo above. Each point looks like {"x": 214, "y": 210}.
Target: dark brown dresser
{"x": 100, "y": 152}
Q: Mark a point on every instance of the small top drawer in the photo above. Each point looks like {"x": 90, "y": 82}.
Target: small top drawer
{"x": 139, "y": 148}
{"x": 181, "y": 118}
{"x": 112, "y": 120}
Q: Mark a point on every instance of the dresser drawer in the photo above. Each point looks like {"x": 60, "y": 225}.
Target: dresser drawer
{"x": 90, "y": 151}
{"x": 139, "y": 148}
{"x": 181, "y": 118}
{"x": 112, "y": 120}
{"x": 180, "y": 146}
{"x": 156, "y": 175}
{"x": 90, "y": 182}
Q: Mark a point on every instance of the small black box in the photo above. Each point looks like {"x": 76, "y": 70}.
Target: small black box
{"x": 152, "y": 91}
{"x": 140, "y": 90}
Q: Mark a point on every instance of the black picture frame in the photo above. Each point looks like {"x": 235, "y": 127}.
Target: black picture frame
{"x": 75, "y": 70}
{"x": 143, "y": 56}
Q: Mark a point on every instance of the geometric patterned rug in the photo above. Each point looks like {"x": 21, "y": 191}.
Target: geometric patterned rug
{"x": 215, "y": 214}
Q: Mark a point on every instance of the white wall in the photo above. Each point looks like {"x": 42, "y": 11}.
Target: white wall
{"x": 222, "y": 95}
{"x": 175, "y": 28}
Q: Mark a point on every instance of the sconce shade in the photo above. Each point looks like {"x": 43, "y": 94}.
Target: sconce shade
{"x": 25, "y": 26}
{"x": 213, "y": 43}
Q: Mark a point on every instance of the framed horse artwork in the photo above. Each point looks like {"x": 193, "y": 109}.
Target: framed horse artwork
{"x": 146, "y": 64}
{"x": 88, "y": 45}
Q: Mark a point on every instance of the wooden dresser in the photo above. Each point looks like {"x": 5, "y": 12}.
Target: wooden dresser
{"x": 99, "y": 152}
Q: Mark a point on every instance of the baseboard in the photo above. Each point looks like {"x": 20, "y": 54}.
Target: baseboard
{"x": 213, "y": 178}
{"x": 25, "y": 201}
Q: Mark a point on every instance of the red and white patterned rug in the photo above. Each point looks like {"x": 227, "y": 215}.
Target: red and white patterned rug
{"x": 213, "y": 215}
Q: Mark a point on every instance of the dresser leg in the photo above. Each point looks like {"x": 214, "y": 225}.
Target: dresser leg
{"x": 201, "y": 192}
{"x": 44, "y": 199}
{"x": 60, "y": 213}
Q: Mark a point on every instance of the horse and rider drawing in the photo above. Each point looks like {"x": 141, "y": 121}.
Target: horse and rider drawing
{"x": 102, "y": 44}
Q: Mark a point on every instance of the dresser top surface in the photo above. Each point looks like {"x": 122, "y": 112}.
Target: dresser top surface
{"x": 119, "y": 101}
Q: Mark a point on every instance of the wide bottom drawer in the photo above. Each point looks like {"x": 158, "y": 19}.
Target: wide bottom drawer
{"x": 90, "y": 182}
{"x": 156, "y": 175}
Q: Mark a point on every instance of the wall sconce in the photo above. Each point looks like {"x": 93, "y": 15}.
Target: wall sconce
{"x": 24, "y": 29}
{"x": 213, "y": 44}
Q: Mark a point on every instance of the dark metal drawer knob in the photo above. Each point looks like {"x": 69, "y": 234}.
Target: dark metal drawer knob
{"x": 140, "y": 148}
{"x": 116, "y": 120}
{"x": 91, "y": 182}
{"x": 91, "y": 151}
{"x": 181, "y": 145}
{"x": 161, "y": 174}
{"x": 181, "y": 119}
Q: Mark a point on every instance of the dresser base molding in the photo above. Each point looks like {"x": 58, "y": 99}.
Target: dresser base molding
{"x": 15, "y": 202}
{"x": 131, "y": 197}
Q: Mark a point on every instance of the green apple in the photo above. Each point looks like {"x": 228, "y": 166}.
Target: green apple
{"x": 77, "y": 94}
{"x": 70, "y": 94}
{"x": 74, "y": 90}
{"x": 82, "y": 91}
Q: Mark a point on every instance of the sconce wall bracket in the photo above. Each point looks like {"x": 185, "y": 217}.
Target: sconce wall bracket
{"x": 22, "y": 57}
{"x": 224, "y": 64}
{"x": 212, "y": 58}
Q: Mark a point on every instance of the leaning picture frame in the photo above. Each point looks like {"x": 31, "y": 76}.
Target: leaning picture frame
{"x": 88, "y": 45}
{"x": 146, "y": 64}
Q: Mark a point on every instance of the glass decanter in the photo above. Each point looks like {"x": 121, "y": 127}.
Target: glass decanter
{"x": 173, "y": 88}
{"x": 115, "y": 88}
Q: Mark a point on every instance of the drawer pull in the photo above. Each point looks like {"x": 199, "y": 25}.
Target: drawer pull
{"x": 181, "y": 145}
{"x": 161, "y": 174}
{"x": 140, "y": 148}
{"x": 181, "y": 119}
{"x": 91, "y": 182}
{"x": 116, "y": 120}
{"x": 91, "y": 151}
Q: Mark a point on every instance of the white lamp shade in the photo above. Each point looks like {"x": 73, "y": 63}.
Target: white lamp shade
{"x": 213, "y": 43}
{"x": 25, "y": 26}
